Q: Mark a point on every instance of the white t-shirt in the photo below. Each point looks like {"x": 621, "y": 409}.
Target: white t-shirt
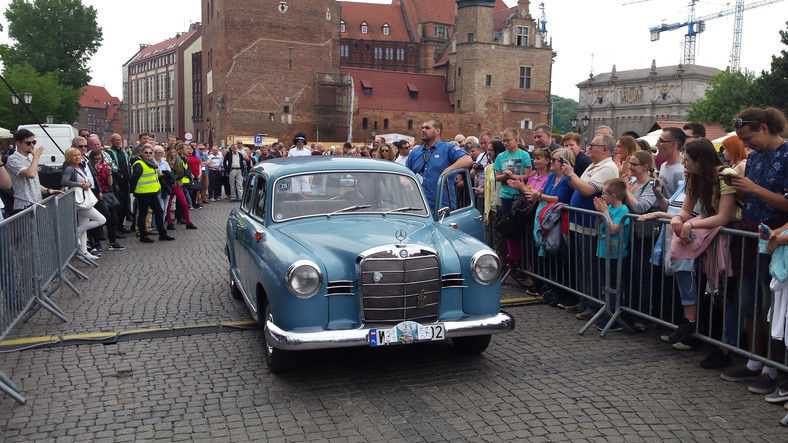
{"x": 300, "y": 184}
{"x": 295, "y": 152}
{"x": 401, "y": 160}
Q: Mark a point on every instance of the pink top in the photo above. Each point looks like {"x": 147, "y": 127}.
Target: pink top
{"x": 537, "y": 182}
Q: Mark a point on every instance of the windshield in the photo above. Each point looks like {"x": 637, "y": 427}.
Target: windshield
{"x": 337, "y": 193}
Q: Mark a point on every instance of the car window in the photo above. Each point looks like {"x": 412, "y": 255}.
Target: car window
{"x": 462, "y": 192}
{"x": 350, "y": 192}
{"x": 258, "y": 203}
{"x": 246, "y": 203}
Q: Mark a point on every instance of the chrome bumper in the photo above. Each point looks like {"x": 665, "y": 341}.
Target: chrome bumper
{"x": 286, "y": 340}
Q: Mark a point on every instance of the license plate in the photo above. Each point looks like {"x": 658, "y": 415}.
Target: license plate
{"x": 407, "y": 332}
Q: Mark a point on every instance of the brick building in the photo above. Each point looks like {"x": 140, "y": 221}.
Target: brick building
{"x": 158, "y": 87}
{"x": 100, "y": 112}
{"x": 263, "y": 73}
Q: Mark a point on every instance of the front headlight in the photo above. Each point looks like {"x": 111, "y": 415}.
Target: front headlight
{"x": 485, "y": 267}
{"x": 303, "y": 278}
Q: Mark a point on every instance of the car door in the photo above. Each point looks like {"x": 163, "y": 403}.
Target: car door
{"x": 244, "y": 232}
{"x": 465, "y": 215}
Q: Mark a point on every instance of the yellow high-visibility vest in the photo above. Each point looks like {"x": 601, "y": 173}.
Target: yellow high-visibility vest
{"x": 149, "y": 180}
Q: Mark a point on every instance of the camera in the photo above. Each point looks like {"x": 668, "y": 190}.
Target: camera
{"x": 478, "y": 167}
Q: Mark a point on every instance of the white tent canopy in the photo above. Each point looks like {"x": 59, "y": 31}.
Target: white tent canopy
{"x": 652, "y": 138}
{"x": 5, "y": 133}
{"x": 391, "y": 138}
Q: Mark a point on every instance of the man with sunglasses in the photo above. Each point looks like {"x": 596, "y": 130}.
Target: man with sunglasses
{"x": 671, "y": 172}
{"x": 145, "y": 183}
{"x": 23, "y": 168}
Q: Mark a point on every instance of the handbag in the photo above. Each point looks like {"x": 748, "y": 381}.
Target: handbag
{"x": 85, "y": 199}
{"x": 110, "y": 199}
{"x": 508, "y": 225}
{"x": 522, "y": 206}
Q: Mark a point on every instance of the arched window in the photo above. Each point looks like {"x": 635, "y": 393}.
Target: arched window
{"x": 364, "y": 27}
{"x": 342, "y": 26}
{"x": 386, "y": 29}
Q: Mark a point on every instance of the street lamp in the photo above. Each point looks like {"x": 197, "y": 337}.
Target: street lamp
{"x": 27, "y": 97}
{"x": 585, "y": 122}
{"x": 573, "y": 122}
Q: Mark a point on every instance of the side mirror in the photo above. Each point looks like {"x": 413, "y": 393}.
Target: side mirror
{"x": 443, "y": 212}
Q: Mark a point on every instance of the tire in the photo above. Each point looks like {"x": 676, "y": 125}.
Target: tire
{"x": 277, "y": 360}
{"x": 234, "y": 290}
{"x": 473, "y": 345}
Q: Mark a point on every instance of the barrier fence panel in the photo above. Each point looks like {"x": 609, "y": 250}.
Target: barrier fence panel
{"x": 67, "y": 242}
{"x": 17, "y": 279}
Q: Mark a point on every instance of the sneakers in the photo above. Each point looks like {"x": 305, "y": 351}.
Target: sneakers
{"x": 191, "y": 226}
{"x": 687, "y": 344}
{"x": 585, "y": 315}
{"x": 146, "y": 240}
{"x": 166, "y": 237}
{"x": 779, "y": 395}
{"x": 740, "y": 373}
{"x": 212, "y": 199}
{"x": 96, "y": 252}
{"x": 716, "y": 360}
{"x": 685, "y": 329}
{"x": 115, "y": 247}
{"x": 575, "y": 309}
{"x": 90, "y": 256}
{"x": 764, "y": 384}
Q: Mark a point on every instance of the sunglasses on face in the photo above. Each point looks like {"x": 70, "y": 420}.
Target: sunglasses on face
{"x": 31, "y": 143}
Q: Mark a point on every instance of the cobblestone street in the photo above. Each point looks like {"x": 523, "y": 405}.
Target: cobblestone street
{"x": 544, "y": 382}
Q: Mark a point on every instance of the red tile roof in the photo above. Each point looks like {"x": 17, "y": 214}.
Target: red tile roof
{"x": 162, "y": 47}
{"x": 444, "y": 57}
{"x": 376, "y": 15}
{"x": 713, "y": 130}
{"x": 500, "y": 16}
{"x": 390, "y": 90}
{"x": 96, "y": 97}
{"x": 439, "y": 11}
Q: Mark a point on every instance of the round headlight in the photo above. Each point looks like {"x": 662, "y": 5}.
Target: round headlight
{"x": 303, "y": 278}
{"x": 485, "y": 267}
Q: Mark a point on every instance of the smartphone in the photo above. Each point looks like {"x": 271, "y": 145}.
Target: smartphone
{"x": 765, "y": 229}
{"x": 561, "y": 159}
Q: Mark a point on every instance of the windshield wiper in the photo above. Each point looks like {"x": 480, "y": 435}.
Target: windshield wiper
{"x": 348, "y": 209}
{"x": 403, "y": 209}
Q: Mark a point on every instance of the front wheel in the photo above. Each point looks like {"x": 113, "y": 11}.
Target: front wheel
{"x": 471, "y": 345}
{"x": 278, "y": 360}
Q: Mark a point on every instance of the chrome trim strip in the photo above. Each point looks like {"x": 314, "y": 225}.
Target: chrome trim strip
{"x": 302, "y": 341}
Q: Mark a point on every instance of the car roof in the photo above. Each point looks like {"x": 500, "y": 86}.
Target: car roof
{"x": 292, "y": 165}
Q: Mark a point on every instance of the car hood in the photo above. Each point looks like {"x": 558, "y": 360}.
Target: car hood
{"x": 337, "y": 241}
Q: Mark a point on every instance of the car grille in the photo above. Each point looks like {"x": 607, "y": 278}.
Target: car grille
{"x": 409, "y": 288}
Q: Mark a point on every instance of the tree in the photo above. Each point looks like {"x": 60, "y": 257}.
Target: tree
{"x": 563, "y": 111}
{"x": 728, "y": 93}
{"x": 49, "y": 97}
{"x": 57, "y": 36}
{"x": 772, "y": 87}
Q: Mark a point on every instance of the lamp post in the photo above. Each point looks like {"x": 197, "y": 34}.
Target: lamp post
{"x": 585, "y": 122}
{"x": 27, "y": 97}
{"x": 573, "y": 122}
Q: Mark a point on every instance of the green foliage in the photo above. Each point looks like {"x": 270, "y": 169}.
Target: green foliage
{"x": 772, "y": 87}
{"x": 49, "y": 97}
{"x": 563, "y": 111}
{"x": 53, "y": 36}
{"x": 728, "y": 93}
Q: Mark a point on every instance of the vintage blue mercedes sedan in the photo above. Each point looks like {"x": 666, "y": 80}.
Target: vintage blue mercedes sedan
{"x": 340, "y": 251}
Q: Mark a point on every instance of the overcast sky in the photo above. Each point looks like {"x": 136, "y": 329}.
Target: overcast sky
{"x": 613, "y": 33}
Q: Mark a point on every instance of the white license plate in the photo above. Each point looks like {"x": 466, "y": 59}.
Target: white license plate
{"x": 407, "y": 332}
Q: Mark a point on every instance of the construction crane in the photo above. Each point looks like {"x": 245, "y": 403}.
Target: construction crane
{"x": 697, "y": 25}
{"x": 543, "y": 22}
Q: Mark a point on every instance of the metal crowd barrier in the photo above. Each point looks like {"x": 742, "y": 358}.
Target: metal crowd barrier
{"x": 643, "y": 292}
{"x": 36, "y": 246}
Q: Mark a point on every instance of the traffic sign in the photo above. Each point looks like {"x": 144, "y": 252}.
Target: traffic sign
{"x": 188, "y": 136}
{"x": 258, "y": 140}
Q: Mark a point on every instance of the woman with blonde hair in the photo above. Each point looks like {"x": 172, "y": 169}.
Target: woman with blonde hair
{"x": 179, "y": 169}
{"x": 75, "y": 176}
{"x": 625, "y": 147}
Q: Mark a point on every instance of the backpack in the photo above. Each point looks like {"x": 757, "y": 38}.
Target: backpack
{"x": 553, "y": 222}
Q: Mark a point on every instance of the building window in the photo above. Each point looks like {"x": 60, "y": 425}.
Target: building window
{"x": 363, "y": 27}
{"x": 458, "y": 105}
{"x": 364, "y": 123}
{"x": 488, "y": 80}
{"x": 342, "y": 26}
{"x": 525, "y": 77}
{"x": 343, "y": 51}
{"x": 410, "y": 124}
{"x": 389, "y": 53}
{"x": 385, "y": 123}
{"x": 386, "y": 29}
{"x": 441, "y": 32}
{"x": 470, "y": 37}
{"x": 368, "y": 92}
{"x": 522, "y": 36}
{"x": 378, "y": 52}
{"x": 400, "y": 54}
{"x": 413, "y": 91}
{"x": 286, "y": 109}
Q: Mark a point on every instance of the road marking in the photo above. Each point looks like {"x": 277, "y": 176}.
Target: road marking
{"x": 99, "y": 337}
